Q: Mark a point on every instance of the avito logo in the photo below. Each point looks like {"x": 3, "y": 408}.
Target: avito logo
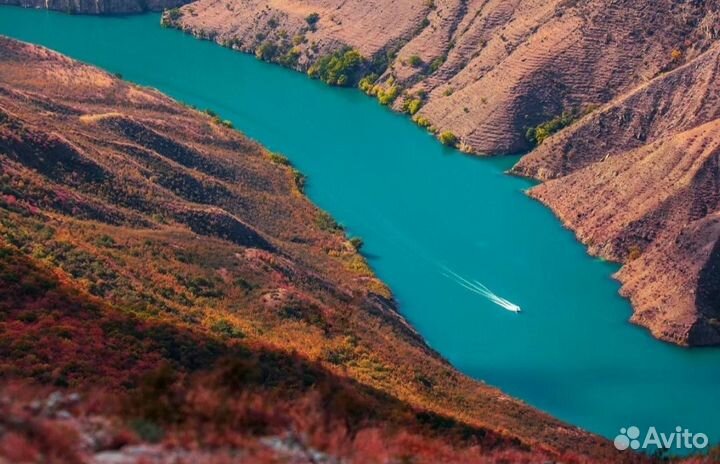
{"x": 679, "y": 439}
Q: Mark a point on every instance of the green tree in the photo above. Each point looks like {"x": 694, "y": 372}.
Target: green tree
{"x": 448, "y": 138}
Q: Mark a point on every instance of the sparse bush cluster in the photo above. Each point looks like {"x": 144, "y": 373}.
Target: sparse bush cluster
{"x": 338, "y": 68}
{"x": 412, "y": 105}
{"x": 388, "y": 95}
{"x": 539, "y": 133}
{"x": 326, "y": 222}
{"x": 415, "y": 61}
{"x": 436, "y": 63}
{"x": 266, "y": 51}
{"x": 367, "y": 83}
{"x": 312, "y": 20}
{"x": 299, "y": 179}
{"x": 448, "y": 138}
{"x": 218, "y": 120}
{"x": 170, "y": 17}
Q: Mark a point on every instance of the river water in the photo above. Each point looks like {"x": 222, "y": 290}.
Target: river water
{"x": 437, "y": 226}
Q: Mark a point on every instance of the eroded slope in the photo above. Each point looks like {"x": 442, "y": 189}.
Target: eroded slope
{"x": 135, "y": 232}
{"x": 639, "y": 181}
{"x": 486, "y": 70}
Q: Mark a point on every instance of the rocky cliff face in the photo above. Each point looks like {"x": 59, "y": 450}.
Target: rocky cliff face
{"x": 97, "y": 7}
{"x": 635, "y": 176}
{"x": 137, "y": 234}
{"x": 484, "y": 70}
{"x": 639, "y": 181}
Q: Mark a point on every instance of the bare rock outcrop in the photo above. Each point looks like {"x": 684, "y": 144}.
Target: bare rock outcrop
{"x": 484, "y": 70}
{"x": 639, "y": 182}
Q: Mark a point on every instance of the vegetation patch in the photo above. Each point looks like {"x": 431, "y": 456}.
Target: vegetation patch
{"x": 537, "y": 135}
{"x": 448, "y": 138}
{"x": 277, "y": 158}
{"x": 412, "y": 105}
{"x": 171, "y": 17}
{"x": 415, "y": 61}
{"x": 388, "y": 95}
{"x": 312, "y": 20}
{"x": 422, "y": 121}
{"x": 367, "y": 83}
{"x": 226, "y": 329}
{"x": 338, "y": 68}
{"x": 266, "y": 51}
{"x": 436, "y": 63}
{"x": 357, "y": 243}
{"x": 326, "y": 222}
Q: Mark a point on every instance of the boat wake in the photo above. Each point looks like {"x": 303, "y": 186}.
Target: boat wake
{"x": 480, "y": 289}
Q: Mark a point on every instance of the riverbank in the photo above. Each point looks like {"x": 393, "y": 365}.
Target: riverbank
{"x": 419, "y": 207}
{"x": 498, "y": 80}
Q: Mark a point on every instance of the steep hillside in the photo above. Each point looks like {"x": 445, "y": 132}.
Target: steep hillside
{"x": 146, "y": 245}
{"x": 93, "y": 7}
{"x": 651, "y": 157}
{"x": 483, "y": 70}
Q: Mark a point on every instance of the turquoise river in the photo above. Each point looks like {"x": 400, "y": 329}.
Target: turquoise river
{"x": 424, "y": 210}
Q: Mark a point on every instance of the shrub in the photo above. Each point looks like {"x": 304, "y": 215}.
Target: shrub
{"x": 538, "y": 134}
{"x": 337, "y": 68}
{"x": 357, "y": 243}
{"x": 278, "y": 159}
{"x": 367, "y": 83}
{"x": 422, "y": 121}
{"x": 415, "y": 61}
{"x": 105, "y": 241}
{"x": 300, "y": 180}
{"x": 413, "y": 106}
{"x": 634, "y": 253}
{"x": 436, "y": 63}
{"x": 387, "y": 96}
{"x": 266, "y": 51}
{"x": 170, "y": 17}
{"x": 225, "y": 329}
{"x": 290, "y": 58}
{"x": 312, "y": 19}
{"x": 147, "y": 430}
{"x": 340, "y": 355}
{"x": 448, "y": 138}
{"x": 325, "y": 222}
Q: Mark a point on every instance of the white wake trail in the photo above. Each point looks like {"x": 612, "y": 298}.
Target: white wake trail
{"x": 480, "y": 289}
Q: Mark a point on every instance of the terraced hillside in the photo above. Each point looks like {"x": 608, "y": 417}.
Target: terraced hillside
{"x": 652, "y": 156}
{"x": 169, "y": 269}
{"x": 484, "y": 70}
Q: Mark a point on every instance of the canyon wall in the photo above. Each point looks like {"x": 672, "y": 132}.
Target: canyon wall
{"x": 635, "y": 173}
